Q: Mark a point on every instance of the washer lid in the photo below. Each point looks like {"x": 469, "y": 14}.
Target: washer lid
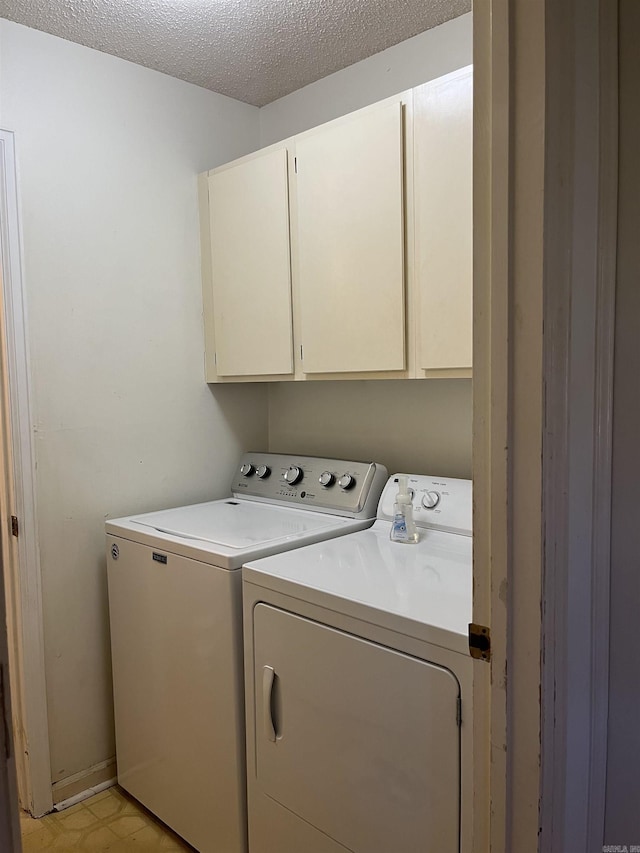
{"x": 235, "y": 523}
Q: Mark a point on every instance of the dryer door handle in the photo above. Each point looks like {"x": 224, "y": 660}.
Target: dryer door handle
{"x": 268, "y": 679}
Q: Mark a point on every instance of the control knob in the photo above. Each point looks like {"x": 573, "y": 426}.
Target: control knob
{"x": 293, "y": 475}
{"x": 431, "y": 500}
{"x": 247, "y": 469}
{"x": 346, "y": 482}
{"x": 326, "y": 479}
{"x": 263, "y": 471}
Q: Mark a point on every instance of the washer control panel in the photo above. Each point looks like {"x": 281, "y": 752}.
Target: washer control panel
{"x": 327, "y": 485}
{"x": 443, "y": 503}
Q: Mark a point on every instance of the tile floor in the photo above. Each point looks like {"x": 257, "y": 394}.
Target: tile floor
{"x": 110, "y": 821}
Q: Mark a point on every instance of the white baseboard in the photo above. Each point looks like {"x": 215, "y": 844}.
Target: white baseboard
{"x": 84, "y": 784}
{"x": 84, "y": 795}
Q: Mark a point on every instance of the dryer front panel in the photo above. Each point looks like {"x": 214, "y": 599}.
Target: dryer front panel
{"x": 360, "y": 741}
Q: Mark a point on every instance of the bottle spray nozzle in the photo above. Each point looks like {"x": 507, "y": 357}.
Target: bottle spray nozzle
{"x": 404, "y": 495}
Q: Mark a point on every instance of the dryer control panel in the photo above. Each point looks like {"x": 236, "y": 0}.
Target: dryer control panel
{"x": 442, "y": 503}
{"x": 335, "y": 486}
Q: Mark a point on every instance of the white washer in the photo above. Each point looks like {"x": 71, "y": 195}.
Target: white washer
{"x": 176, "y": 631}
{"x": 358, "y": 685}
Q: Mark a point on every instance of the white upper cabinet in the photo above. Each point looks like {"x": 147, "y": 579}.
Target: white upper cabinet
{"x": 346, "y": 251}
{"x": 443, "y": 137}
{"x": 250, "y": 266}
{"x": 349, "y": 257}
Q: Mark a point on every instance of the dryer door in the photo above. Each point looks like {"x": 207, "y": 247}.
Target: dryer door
{"x": 359, "y": 740}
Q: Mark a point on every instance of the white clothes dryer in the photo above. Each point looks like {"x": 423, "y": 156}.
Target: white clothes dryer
{"x": 176, "y": 631}
{"x": 359, "y": 686}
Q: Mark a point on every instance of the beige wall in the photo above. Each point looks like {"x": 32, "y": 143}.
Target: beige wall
{"x": 108, "y": 154}
{"x": 417, "y": 426}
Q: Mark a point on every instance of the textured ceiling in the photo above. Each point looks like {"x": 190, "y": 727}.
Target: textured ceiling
{"x": 252, "y": 50}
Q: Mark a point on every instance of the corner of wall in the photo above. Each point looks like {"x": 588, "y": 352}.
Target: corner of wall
{"x": 414, "y": 61}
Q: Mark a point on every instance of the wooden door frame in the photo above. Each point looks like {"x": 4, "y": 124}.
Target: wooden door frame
{"x": 9, "y": 823}
{"x": 509, "y": 139}
{"x": 490, "y": 410}
{"x": 22, "y": 563}
{"x": 545, "y": 184}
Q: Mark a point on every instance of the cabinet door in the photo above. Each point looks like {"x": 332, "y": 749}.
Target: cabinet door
{"x": 350, "y": 244}
{"x": 358, "y": 740}
{"x": 251, "y": 271}
{"x": 443, "y": 220}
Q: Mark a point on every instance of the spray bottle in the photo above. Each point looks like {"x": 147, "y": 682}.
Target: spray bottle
{"x": 403, "y": 527}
